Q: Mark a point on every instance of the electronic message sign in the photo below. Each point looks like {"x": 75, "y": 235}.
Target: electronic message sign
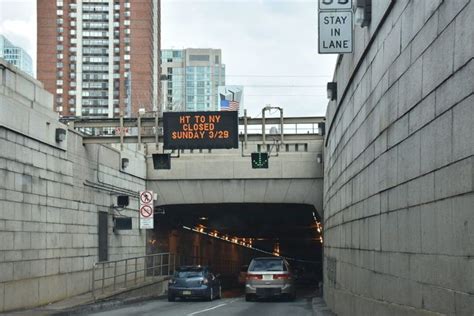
{"x": 200, "y": 130}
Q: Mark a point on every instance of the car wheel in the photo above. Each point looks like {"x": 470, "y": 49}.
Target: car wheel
{"x": 211, "y": 295}
{"x": 248, "y": 297}
{"x": 171, "y": 298}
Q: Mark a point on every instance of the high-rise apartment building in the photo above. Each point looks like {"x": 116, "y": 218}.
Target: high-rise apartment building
{"x": 193, "y": 76}
{"x": 15, "y": 55}
{"x": 99, "y": 57}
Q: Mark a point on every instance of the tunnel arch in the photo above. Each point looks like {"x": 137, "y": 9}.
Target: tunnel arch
{"x": 217, "y": 191}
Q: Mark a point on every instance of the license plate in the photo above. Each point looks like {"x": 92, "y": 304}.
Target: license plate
{"x": 186, "y": 292}
{"x": 268, "y": 276}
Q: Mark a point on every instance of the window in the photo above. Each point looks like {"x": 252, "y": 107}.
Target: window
{"x": 199, "y": 58}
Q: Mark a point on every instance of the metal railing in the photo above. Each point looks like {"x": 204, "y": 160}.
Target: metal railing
{"x": 113, "y": 274}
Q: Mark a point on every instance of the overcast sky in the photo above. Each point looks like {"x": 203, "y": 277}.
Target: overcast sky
{"x": 264, "y": 43}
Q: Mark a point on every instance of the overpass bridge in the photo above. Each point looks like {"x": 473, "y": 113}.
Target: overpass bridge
{"x": 206, "y": 176}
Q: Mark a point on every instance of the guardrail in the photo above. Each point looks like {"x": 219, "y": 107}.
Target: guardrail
{"x": 112, "y": 274}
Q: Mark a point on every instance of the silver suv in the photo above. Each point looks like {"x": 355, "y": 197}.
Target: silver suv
{"x": 268, "y": 277}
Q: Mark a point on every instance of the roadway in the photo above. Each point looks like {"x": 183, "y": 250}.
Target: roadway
{"x": 231, "y": 304}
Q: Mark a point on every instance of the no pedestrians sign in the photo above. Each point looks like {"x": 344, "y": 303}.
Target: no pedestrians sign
{"x": 146, "y": 210}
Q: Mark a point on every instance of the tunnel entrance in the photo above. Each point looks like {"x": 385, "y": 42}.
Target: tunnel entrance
{"x": 228, "y": 236}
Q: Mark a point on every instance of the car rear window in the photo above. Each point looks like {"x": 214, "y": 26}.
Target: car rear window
{"x": 189, "y": 273}
{"x": 267, "y": 265}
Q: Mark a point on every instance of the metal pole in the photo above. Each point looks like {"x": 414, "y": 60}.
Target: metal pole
{"x": 245, "y": 128}
{"x": 263, "y": 128}
{"x": 161, "y": 264}
{"x": 154, "y": 264}
{"x": 115, "y": 273}
{"x": 121, "y": 130}
{"x": 169, "y": 263}
{"x": 156, "y": 130}
{"x": 93, "y": 281}
{"x": 136, "y": 259}
{"x": 281, "y": 124}
{"x": 139, "y": 124}
{"x": 126, "y": 272}
{"x": 174, "y": 262}
{"x": 103, "y": 277}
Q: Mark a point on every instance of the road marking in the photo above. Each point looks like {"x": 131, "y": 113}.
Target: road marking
{"x": 205, "y": 310}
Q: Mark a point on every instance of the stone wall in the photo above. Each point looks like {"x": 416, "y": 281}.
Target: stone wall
{"x": 50, "y": 196}
{"x": 399, "y": 165}
{"x": 294, "y": 175}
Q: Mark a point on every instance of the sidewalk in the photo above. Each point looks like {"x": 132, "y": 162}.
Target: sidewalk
{"x": 85, "y": 304}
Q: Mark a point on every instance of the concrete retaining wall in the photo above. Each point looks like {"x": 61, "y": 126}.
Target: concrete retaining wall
{"x": 50, "y": 196}
{"x": 399, "y": 164}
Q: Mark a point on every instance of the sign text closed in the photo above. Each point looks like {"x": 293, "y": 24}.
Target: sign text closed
{"x": 200, "y": 130}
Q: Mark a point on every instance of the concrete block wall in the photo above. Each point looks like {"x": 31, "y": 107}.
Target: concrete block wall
{"x": 50, "y": 196}
{"x": 399, "y": 165}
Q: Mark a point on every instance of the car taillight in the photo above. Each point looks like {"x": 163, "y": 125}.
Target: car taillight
{"x": 281, "y": 276}
{"x": 254, "y": 277}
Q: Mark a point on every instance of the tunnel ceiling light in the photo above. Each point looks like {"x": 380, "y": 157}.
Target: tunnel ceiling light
{"x": 319, "y": 158}
{"x": 125, "y": 163}
{"x": 60, "y": 135}
{"x": 363, "y": 13}
{"x": 332, "y": 90}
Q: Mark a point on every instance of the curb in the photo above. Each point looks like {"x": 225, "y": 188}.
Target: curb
{"x": 320, "y": 308}
{"x": 106, "y": 304}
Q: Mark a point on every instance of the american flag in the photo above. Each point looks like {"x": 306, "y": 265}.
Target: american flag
{"x": 227, "y": 105}
{"x": 234, "y": 106}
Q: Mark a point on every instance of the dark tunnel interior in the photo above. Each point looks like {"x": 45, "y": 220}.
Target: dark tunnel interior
{"x": 251, "y": 229}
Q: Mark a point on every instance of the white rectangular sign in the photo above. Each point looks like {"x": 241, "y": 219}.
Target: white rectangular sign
{"x": 146, "y": 223}
{"x": 146, "y": 210}
{"x": 335, "y": 4}
{"x": 335, "y": 32}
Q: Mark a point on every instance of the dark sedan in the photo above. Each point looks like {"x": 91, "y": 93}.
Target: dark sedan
{"x": 194, "y": 282}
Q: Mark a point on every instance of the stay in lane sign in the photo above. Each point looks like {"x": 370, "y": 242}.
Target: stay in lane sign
{"x": 335, "y": 32}
{"x": 335, "y": 27}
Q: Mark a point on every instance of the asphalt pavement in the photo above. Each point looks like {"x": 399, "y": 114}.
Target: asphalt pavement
{"x": 233, "y": 303}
